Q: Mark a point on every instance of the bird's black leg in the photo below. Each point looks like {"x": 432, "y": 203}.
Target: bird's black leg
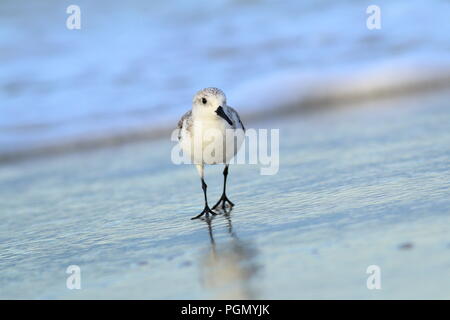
{"x": 223, "y": 201}
{"x": 207, "y": 210}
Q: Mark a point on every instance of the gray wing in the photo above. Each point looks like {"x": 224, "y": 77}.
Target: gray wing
{"x": 185, "y": 119}
{"x": 235, "y": 116}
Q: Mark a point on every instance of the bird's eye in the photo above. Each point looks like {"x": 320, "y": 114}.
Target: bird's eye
{"x": 204, "y": 101}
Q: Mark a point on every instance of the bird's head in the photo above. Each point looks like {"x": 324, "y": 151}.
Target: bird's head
{"x": 209, "y": 103}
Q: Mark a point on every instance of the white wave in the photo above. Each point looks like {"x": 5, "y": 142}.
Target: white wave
{"x": 340, "y": 83}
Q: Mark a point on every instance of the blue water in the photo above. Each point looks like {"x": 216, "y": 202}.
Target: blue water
{"x": 138, "y": 64}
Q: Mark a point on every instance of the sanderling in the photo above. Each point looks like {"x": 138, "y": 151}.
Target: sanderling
{"x": 211, "y": 114}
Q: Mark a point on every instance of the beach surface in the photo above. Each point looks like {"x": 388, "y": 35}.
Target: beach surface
{"x": 357, "y": 186}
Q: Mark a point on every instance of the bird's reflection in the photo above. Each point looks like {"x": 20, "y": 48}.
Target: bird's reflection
{"x": 228, "y": 266}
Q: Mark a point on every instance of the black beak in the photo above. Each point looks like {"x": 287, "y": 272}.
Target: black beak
{"x": 223, "y": 115}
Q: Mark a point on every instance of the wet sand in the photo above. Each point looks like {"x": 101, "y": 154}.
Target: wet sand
{"x": 357, "y": 186}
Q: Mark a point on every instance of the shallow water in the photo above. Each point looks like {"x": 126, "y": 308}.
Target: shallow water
{"x": 356, "y": 187}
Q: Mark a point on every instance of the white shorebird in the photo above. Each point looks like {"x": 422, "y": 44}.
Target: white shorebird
{"x": 211, "y": 125}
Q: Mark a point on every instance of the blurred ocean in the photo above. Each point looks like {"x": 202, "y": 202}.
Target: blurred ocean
{"x": 136, "y": 65}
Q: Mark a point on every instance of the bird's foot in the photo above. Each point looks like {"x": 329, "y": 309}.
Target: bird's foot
{"x": 223, "y": 203}
{"x": 205, "y": 212}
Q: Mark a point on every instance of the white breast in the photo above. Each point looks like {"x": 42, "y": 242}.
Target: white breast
{"x": 211, "y": 141}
